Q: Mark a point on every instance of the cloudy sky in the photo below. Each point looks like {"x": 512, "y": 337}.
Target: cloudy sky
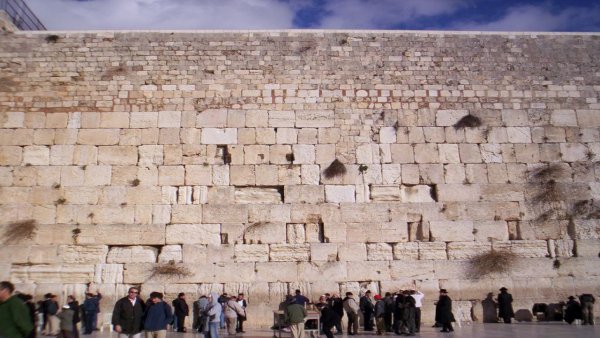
{"x": 490, "y": 15}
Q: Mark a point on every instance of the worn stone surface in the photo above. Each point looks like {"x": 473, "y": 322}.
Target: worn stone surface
{"x": 212, "y": 150}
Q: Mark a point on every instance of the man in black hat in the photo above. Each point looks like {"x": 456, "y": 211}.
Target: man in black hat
{"x": 443, "y": 311}
{"x": 505, "y": 309}
{"x": 572, "y": 310}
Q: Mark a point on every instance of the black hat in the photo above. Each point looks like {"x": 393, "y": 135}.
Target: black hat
{"x": 571, "y": 297}
{"x": 443, "y": 291}
{"x": 503, "y": 289}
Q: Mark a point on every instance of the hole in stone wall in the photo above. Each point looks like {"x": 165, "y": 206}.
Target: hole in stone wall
{"x": 224, "y": 238}
{"x": 223, "y": 153}
{"x": 322, "y": 238}
{"x": 433, "y": 192}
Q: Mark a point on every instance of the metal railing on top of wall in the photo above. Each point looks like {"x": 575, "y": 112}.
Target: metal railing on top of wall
{"x": 21, "y": 15}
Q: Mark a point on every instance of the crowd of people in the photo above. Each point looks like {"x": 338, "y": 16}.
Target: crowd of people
{"x": 399, "y": 313}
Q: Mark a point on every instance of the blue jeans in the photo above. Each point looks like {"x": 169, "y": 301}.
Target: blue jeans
{"x": 213, "y": 330}
{"x": 222, "y": 323}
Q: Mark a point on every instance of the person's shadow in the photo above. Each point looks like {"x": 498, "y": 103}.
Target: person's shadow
{"x": 489, "y": 309}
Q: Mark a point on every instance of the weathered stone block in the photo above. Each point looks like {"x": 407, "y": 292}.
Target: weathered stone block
{"x": 451, "y": 230}
{"x": 265, "y": 233}
{"x": 304, "y": 194}
{"x": 432, "y": 250}
{"x": 170, "y": 253}
{"x": 289, "y": 252}
{"x": 219, "y": 136}
{"x": 339, "y": 193}
{"x": 379, "y": 252}
{"x": 251, "y": 195}
{"x": 132, "y": 254}
{"x": 314, "y": 119}
{"x": 467, "y": 250}
{"x": 78, "y": 254}
{"x": 193, "y": 234}
{"x": 251, "y": 253}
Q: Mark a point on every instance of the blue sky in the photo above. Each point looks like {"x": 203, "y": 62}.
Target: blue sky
{"x": 488, "y": 15}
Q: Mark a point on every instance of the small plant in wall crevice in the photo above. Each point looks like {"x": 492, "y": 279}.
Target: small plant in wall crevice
{"x": 170, "y": 269}
{"x": 491, "y": 262}
{"x": 16, "y": 232}
{"x": 468, "y": 121}
{"x": 336, "y": 168}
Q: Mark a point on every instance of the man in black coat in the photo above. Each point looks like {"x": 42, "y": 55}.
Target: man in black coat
{"x": 74, "y": 305}
{"x": 128, "y": 313}
{"x": 329, "y": 318}
{"x": 572, "y": 310}
{"x": 443, "y": 311}
{"x": 505, "y": 309}
{"x": 181, "y": 311}
{"x": 367, "y": 308}
{"x": 337, "y": 305}
{"x": 587, "y": 308}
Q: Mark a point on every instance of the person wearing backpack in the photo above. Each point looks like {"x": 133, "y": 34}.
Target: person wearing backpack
{"x": 157, "y": 316}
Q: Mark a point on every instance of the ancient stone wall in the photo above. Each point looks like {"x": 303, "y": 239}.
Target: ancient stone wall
{"x": 199, "y": 161}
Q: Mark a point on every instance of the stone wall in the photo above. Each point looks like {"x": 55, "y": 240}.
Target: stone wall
{"x": 206, "y": 153}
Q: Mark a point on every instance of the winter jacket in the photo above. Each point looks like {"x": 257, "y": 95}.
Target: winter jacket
{"x": 128, "y": 316}
{"x": 294, "y": 313}
{"x": 157, "y": 316}
{"x": 366, "y": 305}
{"x": 443, "y": 310}
{"x": 214, "y": 309}
{"x": 350, "y": 305}
{"x": 328, "y": 317}
{"x": 232, "y": 309}
{"x": 14, "y": 319}
{"x": 380, "y": 308}
{"x": 66, "y": 319}
{"x": 181, "y": 307}
{"x": 505, "y": 309}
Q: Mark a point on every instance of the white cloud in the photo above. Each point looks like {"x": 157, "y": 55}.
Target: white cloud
{"x": 377, "y": 14}
{"x": 538, "y": 18}
{"x": 162, "y": 14}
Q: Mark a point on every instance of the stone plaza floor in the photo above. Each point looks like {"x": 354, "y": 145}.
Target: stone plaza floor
{"x": 515, "y": 330}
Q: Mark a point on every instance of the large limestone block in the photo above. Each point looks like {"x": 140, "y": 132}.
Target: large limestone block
{"x": 412, "y": 269}
{"x": 327, "y": 252}
{"x": 254, "y": 195}
{"x": 215, "y": 213}
{"x": 265, "y": 233}
{"x": 219, "y": 136}
{"x": 143, "y": 120}
{"x": 80, "y": 254}
{"x": 432, "y": 250}
{"x": 382, "y": 193}
{"x": 43, "y": 273}
{"x": 276, "y": 272}
{"x": 451, "y": 230}
{"x": 490, "y": 230}
{"x": 458, "y": 192}
{"x": 12, "y": 119}
{"x": 530, "y": 249}
{"x": 365, "y": 212}
{"x": 407, "y": 251}
{"x": 36, "y": 155}
{"x": 314, "y": 119}
{"x": 587, "y": 229}
{"x": 352, "y": 252}
{"x": 340, "y": 193}
{"x": 269, "y": 212}
{"x": 132, "y": 254}
{"x": 228, "y": 272}
{"x": 379, "y": 252}
{"x": 315, "y": 271}
{"x": 296, "y": 233}
{"x": 10, "y": 155}
{"x": 251, "y": 252}
{"x": 535, "y": 268}
{"x": 449, "y": 117}
{"x": 416, "y": 194}
{"x": 98, "y": 137}
{"x": 117, "y": 155}
{"x": 368, "y": 271}
{"x": 451, "y": 269}
{"x": 588, "y": 248}
{"x": 193, "y": 234}
{"x": 578, "y": 267}
{"x": 108, "y": 273}
{"x": 212, "y": 118}
{"x": 289, "y": 252}
{"x": 186, "y": 214}
{"x": 194, "y": 253}
{"x": 170, "y": 253}
{"x": 467, "y": 250}
{"x": 153, "y": 234}
{"x": 377, "y": 232}
{"x": 304, "y": 194}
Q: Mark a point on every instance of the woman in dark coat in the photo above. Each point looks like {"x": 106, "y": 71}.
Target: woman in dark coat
{"x": 505, "y": 309}
{"x": 443, "y": 311}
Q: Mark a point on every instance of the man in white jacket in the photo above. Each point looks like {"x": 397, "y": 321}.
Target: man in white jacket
{"x": 418, "y": 296}
{"x": 351, "y": 308}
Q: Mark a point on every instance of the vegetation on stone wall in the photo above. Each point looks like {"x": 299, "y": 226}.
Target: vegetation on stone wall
{"x": 336, "y": 168}
{"x": 491, "y": 262}
{"x": 18, "y": 231}
{"x": 468, "y": 121}
{"x": 170, "y": 269}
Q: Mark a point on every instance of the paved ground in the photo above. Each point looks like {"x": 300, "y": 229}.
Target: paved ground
{"x": 520, "y": 330}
